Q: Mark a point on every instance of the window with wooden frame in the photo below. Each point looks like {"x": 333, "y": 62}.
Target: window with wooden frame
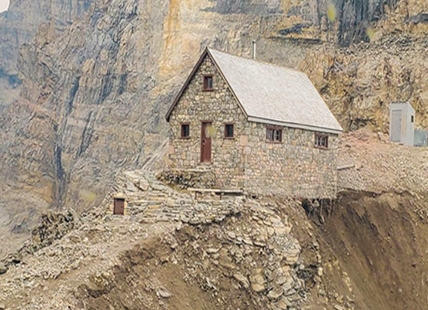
{"x": 185, "y": 130}
{"x": 274, "y": 134}
{"x": 228, "y": 131}
{"x": 208, "y": 82}
{"x": 321, "y": 140}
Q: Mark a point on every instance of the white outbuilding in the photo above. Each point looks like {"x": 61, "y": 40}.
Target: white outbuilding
{"x": 402, "y": 123}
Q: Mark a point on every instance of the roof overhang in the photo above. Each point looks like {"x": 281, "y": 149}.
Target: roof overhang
{"x": 294, "y": 125}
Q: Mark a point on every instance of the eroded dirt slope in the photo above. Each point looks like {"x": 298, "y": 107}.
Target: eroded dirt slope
{"x": 381, "y": 243}
{"x": 375, "y": 237}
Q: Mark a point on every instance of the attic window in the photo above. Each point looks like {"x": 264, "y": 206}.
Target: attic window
{"x": 228, "y": 131}
{"x": 412, "y": 119}
{"x": 274, "y": 134}
{"x": 185, "y": 130}
{"x": 208, "y": 82}
{"x": 321, "y": 140}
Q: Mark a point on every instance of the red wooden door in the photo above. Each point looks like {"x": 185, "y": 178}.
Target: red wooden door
{"x": 119, "y": 206}
{"x": 205, "y": 142}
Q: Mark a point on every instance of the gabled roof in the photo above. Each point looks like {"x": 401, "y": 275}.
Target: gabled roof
{"x": 271, "y": 94}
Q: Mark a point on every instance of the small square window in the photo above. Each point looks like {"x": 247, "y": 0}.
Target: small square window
{"x": 228, "y": 130}
{"x": 273, "y": 134}
{"x": 321, "y": 140}
{"x": 208, "y": 82}
{"x": 185, "y": 130}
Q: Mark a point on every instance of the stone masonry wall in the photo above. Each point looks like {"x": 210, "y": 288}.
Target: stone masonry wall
{"x": 220, "y": 107}
{"x": 293, "y": 167}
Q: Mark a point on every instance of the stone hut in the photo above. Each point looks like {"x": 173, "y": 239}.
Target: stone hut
{"x": 254, "y": 126}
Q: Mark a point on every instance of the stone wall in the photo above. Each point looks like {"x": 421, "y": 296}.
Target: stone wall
{"x": 220, "y": 107}
{"x": 293, "y": 167}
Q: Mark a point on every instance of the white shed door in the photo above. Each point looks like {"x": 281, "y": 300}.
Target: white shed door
{"x": 396, "y": 126}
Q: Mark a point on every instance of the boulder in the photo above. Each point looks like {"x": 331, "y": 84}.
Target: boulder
{"x": 243, "y": 280}
{"x": 3, "y": 268}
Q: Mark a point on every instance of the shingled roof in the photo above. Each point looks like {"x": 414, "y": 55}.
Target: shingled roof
{"x": 271, "y": 94}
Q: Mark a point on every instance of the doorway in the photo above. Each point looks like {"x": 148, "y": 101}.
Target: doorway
{"x": 119, "y": 206}
{"x": 396, "y": 126}
{"x": 206, "y": 142}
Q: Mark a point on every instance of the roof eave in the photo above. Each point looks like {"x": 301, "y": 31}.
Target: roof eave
{"x": 295, "y": 125}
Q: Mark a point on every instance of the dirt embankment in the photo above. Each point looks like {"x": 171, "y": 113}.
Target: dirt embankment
{"x": 207, "y": 267}
{"x": 144, "y": 269}
{"x": 381, "y": 243}
{"x": 374, "y": 243}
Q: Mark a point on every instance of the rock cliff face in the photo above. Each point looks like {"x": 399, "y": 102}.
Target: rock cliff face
{"x": 360, "y": 82}
{"x": 98, "y": 77}
{"x": 20, "y": 23}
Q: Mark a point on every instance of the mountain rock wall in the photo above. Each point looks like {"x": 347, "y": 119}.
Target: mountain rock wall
{"x": 20, "y": 23}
